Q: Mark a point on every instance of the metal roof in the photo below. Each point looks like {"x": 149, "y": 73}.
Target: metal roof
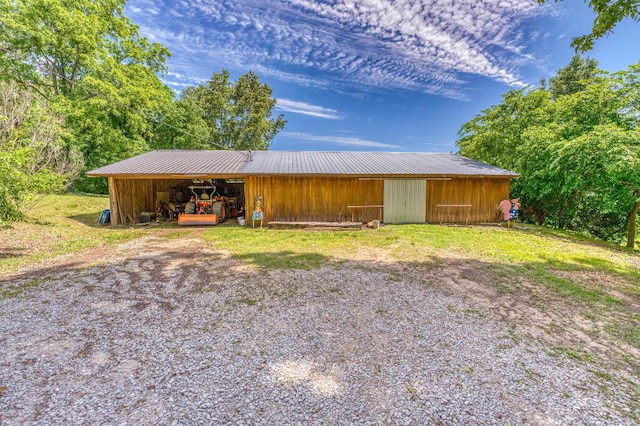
{"x": 177, "y": 162}
{"x": 243, "y": 163}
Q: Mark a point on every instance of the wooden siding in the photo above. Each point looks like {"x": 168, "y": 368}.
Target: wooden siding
{"x": 304, "y": 199}
{"x": 483, "y": 194}
{"x": 130, "y": 197}
{"x": 296, "y": 198}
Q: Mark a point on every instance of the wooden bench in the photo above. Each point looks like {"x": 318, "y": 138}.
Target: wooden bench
{"x": 454, "y": 206}
{"x": 379, "y": 207}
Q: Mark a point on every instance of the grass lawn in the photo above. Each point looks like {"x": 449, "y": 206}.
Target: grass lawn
{"x": 64, "y": 224}
{"x": 58, "y": 225}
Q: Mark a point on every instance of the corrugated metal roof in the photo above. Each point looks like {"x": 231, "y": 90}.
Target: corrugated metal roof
{"x": 241, "y": 163}
{"x": 177, "y": 162}
{"x": 365, "y": 163}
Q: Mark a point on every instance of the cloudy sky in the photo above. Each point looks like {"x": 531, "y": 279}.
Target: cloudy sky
{"x": 376, "y": 75}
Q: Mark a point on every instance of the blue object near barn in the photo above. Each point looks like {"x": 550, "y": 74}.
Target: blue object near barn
{"x": 105, "y": 217}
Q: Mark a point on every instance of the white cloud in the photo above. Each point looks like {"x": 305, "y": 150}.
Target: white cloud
{"x": 143, "y": 7}
{"x": 304, "y": 108}
{"x": 175, "y": 75}
{"x": 176, "y": 84}
{"x": 429, "y": 46}
{"x": 338, "y": 140}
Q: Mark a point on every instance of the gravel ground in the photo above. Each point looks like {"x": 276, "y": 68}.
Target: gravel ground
{"x": 159, "y": 332}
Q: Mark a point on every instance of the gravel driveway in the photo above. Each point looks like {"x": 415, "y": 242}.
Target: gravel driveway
{"x": 163, "y": 332}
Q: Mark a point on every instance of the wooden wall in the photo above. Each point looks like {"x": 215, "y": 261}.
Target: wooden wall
{"x": 130, "y": 197}
{"x": 327, "y": 198}
{"x": 484, "y": 195}
{"x": 307, "y": 199}
{"x": 324, "y": 198}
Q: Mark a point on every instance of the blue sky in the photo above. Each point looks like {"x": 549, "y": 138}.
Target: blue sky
{"x": 376, "y": 75}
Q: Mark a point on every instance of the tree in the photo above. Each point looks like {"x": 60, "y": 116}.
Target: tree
{"x": 573, "y": 78}
{"x": 182, "y": 125}
{"x": 88, "y": 59}
{"x": 495, "y": 135}
{"x": 609, "y": 13}
{"x": 34, "y": 157}
{"x": 238, "y": 114}
{"x": 50, "y": 45}
{"x": 111, "y": 117}
{"x": 576, "y": 150}
{"x": 608, "y": 183}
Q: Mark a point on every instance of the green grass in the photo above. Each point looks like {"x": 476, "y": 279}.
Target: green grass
{"x": 628, "y": 332}
{"x": 286, "y": 249}
{"x": 67, "y": 224}
{"x": 58, "y": 225}
{"x": 577, "y": 354}
{"x": 567, "y": 288}
{"x": 533, "y": 248}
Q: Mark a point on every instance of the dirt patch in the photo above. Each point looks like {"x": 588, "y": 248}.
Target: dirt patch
{"x": 540, "y": 313}
{"x": 618, "y": 287}
{"x": 188, "y": 243}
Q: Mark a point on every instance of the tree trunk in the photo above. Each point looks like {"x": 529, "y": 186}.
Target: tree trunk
{"x": 631, "y": 225}
{"x": 54, "y": 75}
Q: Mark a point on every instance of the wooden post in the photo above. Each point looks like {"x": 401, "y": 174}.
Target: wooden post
{"x": 113, "y": 202}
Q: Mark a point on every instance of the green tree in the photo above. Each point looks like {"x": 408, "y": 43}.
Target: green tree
{"x": 607, "y": 186}
{"x": 182, "y": 125}
{"x": 88, "y": 59}
{"x": 569, "y": 148}
{"x": 50, "y": 45}
{"x": 238, "y": 114}
{"x": 609, "y": 13}
{"x": 34, "y": 158}
{"x": 573, "y": 78}
{"x": 111, "y": 116}
{"x": 496, "y": 134}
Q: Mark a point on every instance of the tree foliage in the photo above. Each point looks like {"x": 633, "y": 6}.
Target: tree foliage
{"x": 182, "y": 125}
{"x": 34, "y": 157}
{"x": 576, "y": 146}
{"x": 238, "y": 115}
{"x": 573, "y": 78}
{"x": 99, "y": 80}
{"x": 110, "y": 117}
{"x": 51, "y": 44}
{"x": 609, "y": 13}
{"x": 88, "y": 59}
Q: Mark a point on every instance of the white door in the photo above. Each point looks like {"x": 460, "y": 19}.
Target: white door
{"x": 405, "y": 200}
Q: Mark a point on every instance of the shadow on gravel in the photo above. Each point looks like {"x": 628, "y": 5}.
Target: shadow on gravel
{"x": 174, "y": 275}
{"x": 96, "y": 256}
{"x": 42, "y": 272}
{"x": 582, "y": 304}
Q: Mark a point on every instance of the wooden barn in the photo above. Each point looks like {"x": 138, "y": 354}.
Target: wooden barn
{"x": 299, "y": 186}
